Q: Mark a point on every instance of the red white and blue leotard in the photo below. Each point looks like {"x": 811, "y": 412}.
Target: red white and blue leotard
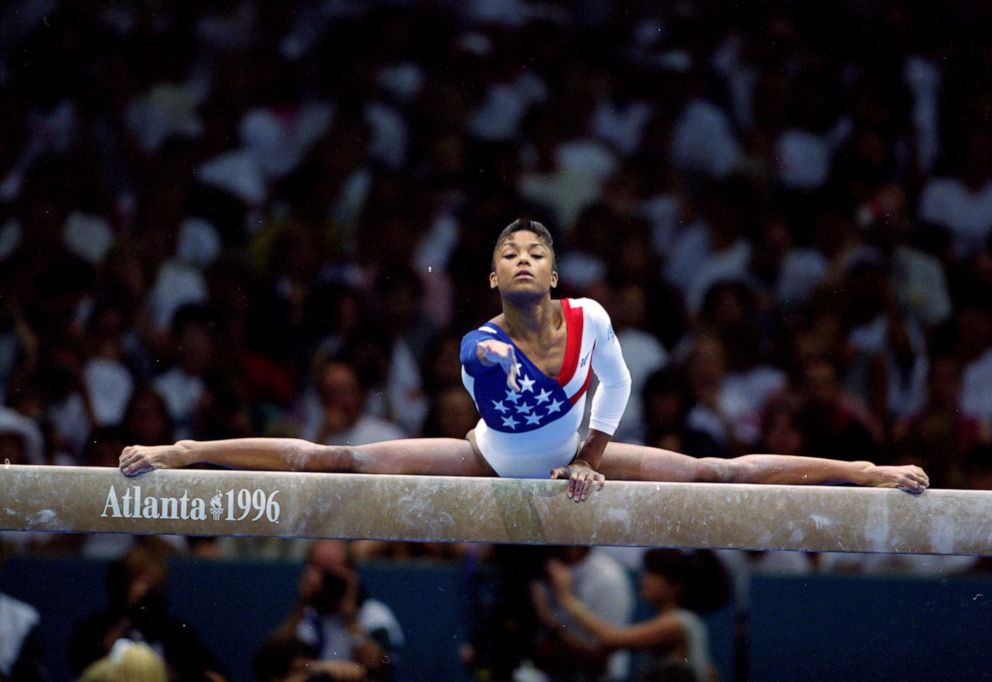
{"x": 527, "y": 434}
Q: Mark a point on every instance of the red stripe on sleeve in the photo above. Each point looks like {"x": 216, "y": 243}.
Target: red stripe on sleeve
{"x": 585, "y": 387}
{"x": 573, "y": 344}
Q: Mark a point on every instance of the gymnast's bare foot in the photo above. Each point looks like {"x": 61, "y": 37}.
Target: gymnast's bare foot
{"x": 910, "y": 478}
{"x": 137, "y": 459}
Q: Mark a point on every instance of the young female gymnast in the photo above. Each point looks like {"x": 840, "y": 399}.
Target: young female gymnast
{"x": 528, "y": 370}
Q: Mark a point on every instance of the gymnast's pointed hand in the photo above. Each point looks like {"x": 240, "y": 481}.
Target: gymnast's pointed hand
{"x": 137, "y": 459}
{"x": 492, "y": 352}
{"x": 909, "y": 478}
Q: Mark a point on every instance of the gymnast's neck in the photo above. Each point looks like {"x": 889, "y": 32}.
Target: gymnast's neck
{"x": 531, "y": 319}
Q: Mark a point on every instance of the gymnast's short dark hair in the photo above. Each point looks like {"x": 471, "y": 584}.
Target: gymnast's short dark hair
{"x": 527, "y": 225}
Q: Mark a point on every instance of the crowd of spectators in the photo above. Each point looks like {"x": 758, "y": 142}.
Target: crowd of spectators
{"x": 232, "y": 218}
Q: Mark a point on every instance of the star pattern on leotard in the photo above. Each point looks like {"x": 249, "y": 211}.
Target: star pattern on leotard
{"x": 527, "y": 408}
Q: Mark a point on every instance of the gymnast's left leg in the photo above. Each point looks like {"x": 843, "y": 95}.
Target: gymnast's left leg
{"x": 642, "y": 463}
{"x": 410, "y": 456}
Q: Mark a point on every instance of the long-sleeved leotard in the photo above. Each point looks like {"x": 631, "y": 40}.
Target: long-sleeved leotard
{"x": 528, "y": 433}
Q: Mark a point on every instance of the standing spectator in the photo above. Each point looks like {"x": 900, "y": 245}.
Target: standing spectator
{"x": 674, "y": 642}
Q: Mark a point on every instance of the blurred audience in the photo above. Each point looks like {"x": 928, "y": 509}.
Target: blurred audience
{"x": 21, "y": 652}
{"x": 337, "y": 619}
{"x": 567, "y": 649}
{"x": 137, "y": 610}
{"x": 222, "y": 219}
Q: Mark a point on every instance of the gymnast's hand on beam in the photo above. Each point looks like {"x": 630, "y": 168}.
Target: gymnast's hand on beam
{"x": 137, "y": 459}
{"x": 492, "y": 352}
{"x": 909, "y": 477}
{"x": 582, "y": 478}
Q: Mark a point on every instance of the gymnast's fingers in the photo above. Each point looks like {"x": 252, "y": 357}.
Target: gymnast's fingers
{"x": 511, "y": 371}
{"x": 574, "y": 487}
{"x": 132, "y": 462}
{"x": 581, "y": 484}
{"x": 585, "y": 486}
{"x": 911, "y": 485}
{"x": 919, "y": 476}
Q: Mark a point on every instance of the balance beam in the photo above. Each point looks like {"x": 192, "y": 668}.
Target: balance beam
{"x": 451, "y": 509}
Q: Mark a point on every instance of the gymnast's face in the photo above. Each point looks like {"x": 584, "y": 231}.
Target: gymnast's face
{"x": 523, "y": 265}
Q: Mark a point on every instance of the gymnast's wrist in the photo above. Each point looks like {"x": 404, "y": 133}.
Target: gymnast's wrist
{"x": 584, "y": 463}
{"x": 863, "y": 473}
{"x": 183, "y": 454}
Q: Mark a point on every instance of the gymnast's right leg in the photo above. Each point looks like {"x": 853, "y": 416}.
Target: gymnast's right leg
{"x": 415, "y": 456}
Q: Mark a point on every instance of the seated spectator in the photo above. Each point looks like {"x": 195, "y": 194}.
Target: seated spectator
{"x": 336, "y": 619}
{"x": 127, "y": 662}
{"x": 340, "y": 417}
{"x": 147, "y": 418}
{"x": 182, "y": 386}
{"x": 961, "y": 202}
{"x": 288, "y": 659}
{"x": 940, "y": 434}
{"x": 974, "y": 344}
{"x": 453, "y": 414}
{"x": 21, "y": 442}
{"x": 978, "y": 467}
{"x": 706, "y": 370}
{"x": 642, "y": 351}
{"x": 21, "y": 656}
{"x": 667, "y": 401}
{"x": 501, "y": 640}
{"x": 833, "y": 424}
{"x": 137, "y": 610}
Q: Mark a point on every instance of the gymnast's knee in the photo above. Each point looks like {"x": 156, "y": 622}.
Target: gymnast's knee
{"x": 338, "y": 459}
{"x": 718, "y": 470}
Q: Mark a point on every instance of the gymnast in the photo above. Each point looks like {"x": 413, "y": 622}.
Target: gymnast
{"x": 528, "y": 370}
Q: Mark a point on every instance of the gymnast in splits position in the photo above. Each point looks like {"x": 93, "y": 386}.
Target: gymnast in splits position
{"x": 528, "y": 370}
